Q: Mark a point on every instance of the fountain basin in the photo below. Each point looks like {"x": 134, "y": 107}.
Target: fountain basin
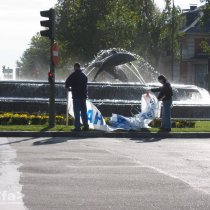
{"x": 122, "y": 98}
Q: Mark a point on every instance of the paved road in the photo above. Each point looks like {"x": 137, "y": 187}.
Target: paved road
{"x": 101, "y": 174}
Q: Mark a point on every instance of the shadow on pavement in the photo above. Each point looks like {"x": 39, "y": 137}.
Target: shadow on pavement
{"x": 56, "y": 140}
{"x": 47, "y": 140}
{"x": 50, "y": 141}
{"x": 146, "y": 140}
{"x": 19, "y": 141}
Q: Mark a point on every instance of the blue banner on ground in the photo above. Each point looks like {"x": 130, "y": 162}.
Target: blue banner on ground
{"x": 95, "y": 119}
{"x": 150, "y": 110}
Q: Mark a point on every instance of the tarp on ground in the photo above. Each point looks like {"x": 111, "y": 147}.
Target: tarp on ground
{"x": 95, "y": 119}
{"x": 150, "y": 109}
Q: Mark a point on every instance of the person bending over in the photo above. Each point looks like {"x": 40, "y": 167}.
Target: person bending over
{"x": 165, "y": 95}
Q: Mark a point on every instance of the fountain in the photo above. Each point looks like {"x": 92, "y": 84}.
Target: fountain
{"x": 117, "y": 81}
{"x": 118, "y": 65}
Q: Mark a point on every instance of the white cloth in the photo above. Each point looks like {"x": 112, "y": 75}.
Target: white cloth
{"x": 150, "y": 110}
{"x": 95, "y": 118}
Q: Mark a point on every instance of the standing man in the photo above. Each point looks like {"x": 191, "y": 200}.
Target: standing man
{"x": 165, "y": 96}
{"x": 77, "y": 82}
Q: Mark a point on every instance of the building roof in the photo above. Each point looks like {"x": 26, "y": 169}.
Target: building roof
{"x": 193, "y": 22}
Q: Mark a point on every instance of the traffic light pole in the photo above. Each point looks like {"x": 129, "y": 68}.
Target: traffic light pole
{"x": 208, "y": 75}
{"x": 52, "y": 88}
{"x": 50, "y": 33}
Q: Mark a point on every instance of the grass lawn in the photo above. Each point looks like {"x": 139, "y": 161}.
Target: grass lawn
{"x": 200, "y": 126}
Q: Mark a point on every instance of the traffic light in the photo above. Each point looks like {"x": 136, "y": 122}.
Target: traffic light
{"x": 49, "y": 24}
{"x": 50, "y": 77}
{"x": 49, "y": 32}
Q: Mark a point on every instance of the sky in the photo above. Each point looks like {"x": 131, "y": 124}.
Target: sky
{"x": 183, "y": 4}
{"x": 20, "y": 20}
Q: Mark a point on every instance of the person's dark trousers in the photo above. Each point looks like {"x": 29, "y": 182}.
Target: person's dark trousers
{"x": 80, "y": 107}
{"x": 166, "y": 114}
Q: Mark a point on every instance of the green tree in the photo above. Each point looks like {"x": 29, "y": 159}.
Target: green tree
{"x": 204, "y": 23}
{"x": 77, "y": 26}
{"x": 172, "y": 28}
{"x": 84, "y": 27}
{"x": 34, "y": 62}
{"x": 118, "y": 28}
{"x": 155, "y": 29}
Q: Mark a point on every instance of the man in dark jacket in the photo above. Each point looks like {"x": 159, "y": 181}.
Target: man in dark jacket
{"x": 165, "y": 95}
{"x": 77, "y": 83}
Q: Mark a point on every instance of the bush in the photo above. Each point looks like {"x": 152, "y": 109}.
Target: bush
{"x": 71, "y": 120}
{"x": 34, "y": 119}
{"x": 60, "y": 120}
{"x": 107, "y": 119}
{"x": 19, "y": 119}
{"x": 5, "y": 118}
{"x": 184, "y": 124}
{"x": 156, "y": 123}
{"x": 38, "y": 119}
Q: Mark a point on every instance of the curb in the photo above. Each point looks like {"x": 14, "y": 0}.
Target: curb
{"x": 98, "y": 134}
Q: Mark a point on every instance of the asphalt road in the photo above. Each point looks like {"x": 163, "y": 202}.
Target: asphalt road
{"x": 101, "y": 174}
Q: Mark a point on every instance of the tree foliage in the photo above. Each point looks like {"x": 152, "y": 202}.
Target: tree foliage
{"x": 204, "y": 24}
{"x": 135, "y": 25}
{"x": 35, "y": 59}
{"x": 77, "y": 26}
{"x": 84, "y": 27}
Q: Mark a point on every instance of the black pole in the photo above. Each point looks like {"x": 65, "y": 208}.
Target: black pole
{"x": 52, "y": 88}
{"x": 172, "y": 45}
{"x": 52, "y": 71}
{"x": 208, "y": 75}
{"x": 50, "y": 33}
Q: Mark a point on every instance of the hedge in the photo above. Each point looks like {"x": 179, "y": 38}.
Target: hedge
{"x": 156, "y": 123}
{"x": 41, "y": 119}
{"x": 27, "y": 119}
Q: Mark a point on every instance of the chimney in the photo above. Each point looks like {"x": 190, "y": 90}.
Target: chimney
{"x": 193, "y": 7}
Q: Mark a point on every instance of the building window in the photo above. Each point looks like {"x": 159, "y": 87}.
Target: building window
{"x": 201, "y": 75}
{"x": 199, "y": 52}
